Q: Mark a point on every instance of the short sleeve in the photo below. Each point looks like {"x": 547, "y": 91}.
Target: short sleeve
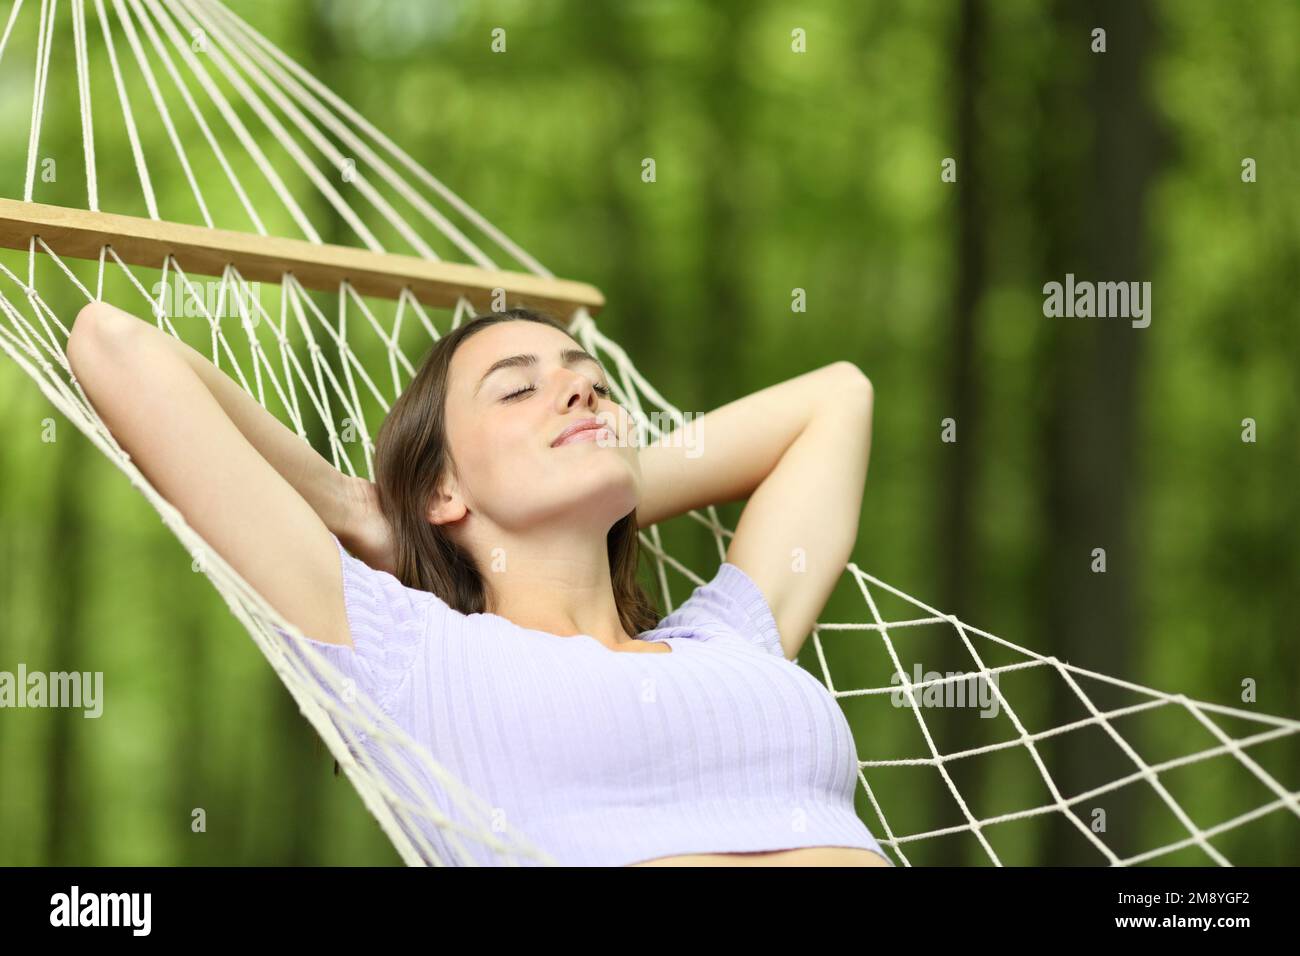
{"x": 389, "y": 623}
{"x": 732, "y": 602}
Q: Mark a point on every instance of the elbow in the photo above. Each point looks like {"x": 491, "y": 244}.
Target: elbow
{"x": 854, "y": 384}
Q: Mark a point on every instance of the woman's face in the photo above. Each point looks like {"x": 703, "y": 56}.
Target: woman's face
{"x": 511, "y": 391}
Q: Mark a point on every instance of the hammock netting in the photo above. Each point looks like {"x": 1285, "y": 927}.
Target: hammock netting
{"x": 282, "y": 156}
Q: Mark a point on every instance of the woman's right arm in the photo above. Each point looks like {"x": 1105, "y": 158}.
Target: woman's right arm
{"x": 262, "y": 497}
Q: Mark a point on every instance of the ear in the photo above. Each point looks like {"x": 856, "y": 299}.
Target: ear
{"x": 445, "y": 504}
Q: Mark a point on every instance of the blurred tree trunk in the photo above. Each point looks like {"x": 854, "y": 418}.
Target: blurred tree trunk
{"x": 191, "y": 629}
{"x": 630, "y": 313}
{"x": 1090, "y": 432}
{"x": 723, "y": 318}
{"x": 959, "y": 461}
{"x": 66, "y": 820}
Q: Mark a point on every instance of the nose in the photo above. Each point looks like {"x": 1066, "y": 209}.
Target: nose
{"x": 578, "y": 390}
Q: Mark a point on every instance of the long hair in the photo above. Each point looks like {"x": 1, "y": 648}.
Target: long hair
{"x": 411, "y": 458}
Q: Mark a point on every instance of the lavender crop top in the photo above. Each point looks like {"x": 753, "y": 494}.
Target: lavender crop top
{"x": 605, "y": 758}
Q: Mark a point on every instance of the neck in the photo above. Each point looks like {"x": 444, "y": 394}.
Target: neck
{"x": 556, "y": 580}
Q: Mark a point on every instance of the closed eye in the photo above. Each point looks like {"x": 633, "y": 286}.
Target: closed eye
{"x": 602, "y": 390}
{"x": 526, "y": 388}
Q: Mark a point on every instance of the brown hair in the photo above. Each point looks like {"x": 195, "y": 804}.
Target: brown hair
{"x": 411, "y": 457}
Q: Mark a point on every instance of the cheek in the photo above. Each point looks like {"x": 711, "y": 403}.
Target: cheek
{"x": 506, "y": 449}
{"x": 474, "y": 446}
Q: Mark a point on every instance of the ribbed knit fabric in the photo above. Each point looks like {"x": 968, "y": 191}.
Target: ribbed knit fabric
{"x": 605, "y": 758}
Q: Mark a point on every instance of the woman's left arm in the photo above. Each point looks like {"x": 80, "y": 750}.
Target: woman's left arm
{"x": 798, "y": 451}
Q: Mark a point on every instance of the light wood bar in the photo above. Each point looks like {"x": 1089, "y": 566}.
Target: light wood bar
{"x": 146, "y": 242}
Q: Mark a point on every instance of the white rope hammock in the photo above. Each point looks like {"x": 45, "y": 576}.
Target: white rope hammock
{"x": 205, "y": 74}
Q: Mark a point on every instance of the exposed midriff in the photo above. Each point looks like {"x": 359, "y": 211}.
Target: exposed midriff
{"x": 799, "y": 856}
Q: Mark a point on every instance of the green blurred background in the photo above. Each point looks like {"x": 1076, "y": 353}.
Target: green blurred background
{"x": 778, "y": 171}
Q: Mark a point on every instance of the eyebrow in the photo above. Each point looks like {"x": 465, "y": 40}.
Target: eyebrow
{"x": 568, "y": 358}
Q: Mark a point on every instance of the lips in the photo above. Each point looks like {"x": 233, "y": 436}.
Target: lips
{"x": 579, "y": 429}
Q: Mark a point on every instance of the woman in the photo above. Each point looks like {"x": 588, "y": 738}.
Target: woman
{"x": 489, "y": 601}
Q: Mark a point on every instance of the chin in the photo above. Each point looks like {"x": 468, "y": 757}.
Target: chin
{"x": 604, "y": 484}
